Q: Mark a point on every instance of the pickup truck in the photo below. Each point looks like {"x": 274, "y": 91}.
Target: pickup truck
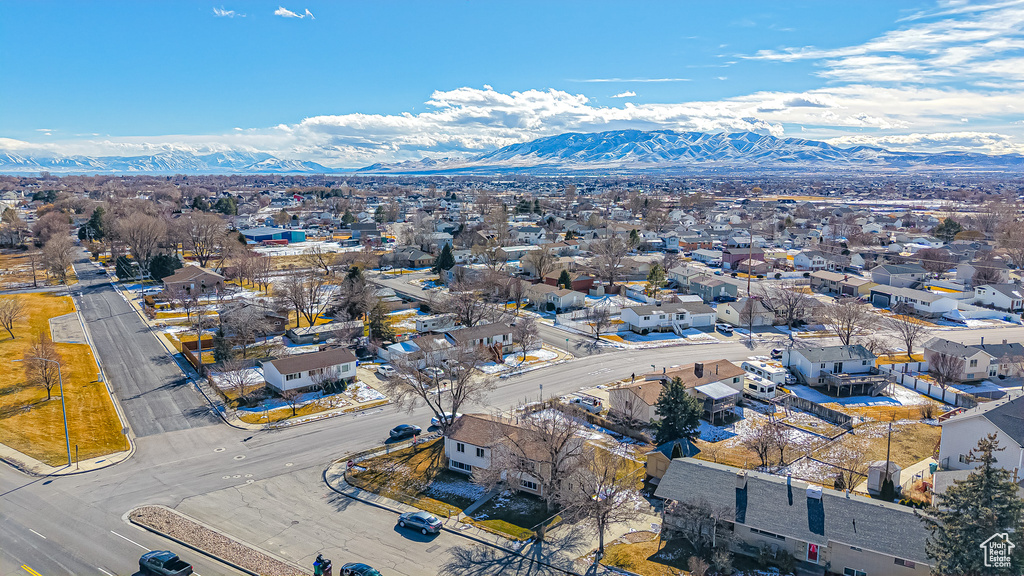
{"x": 163, "y": 563}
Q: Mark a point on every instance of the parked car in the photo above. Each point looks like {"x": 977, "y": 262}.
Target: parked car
{"x": 403, "y": 430}
{"x": 425, "y": 522}
{"x": 386, "y": 370}
{"x": 385, "y": 268}
{"x": 163, "y": 563}
{"x": 724, "y": 328}
{"x": 433, "y": 372}
{"x": 589, "y": 404}
{"x": 776, "y": 353}
{"x": 358, "y": 569}
{"x": 447, "y": 416}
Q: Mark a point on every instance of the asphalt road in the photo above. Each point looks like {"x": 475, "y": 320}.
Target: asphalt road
{"x": 74, "y": 524}
{"x": 154, "y": 394}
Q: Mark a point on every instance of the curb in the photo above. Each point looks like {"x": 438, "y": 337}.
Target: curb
{"x": 443, "y": 527}
{"x": 127, "y": 517}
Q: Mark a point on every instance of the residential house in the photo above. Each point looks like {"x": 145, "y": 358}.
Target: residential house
{"x": 719, "y": 384}
{"x": 856, "y": 287}
{"x": 738, "y": 314}
{"x": 707, "y": 256}
{"x": 435, "y": 323}
{"x": 244, "y": 312}
{"x": 667, "y": 317}
{"x": 899, "y": 275}
{"x": 826, "y": 282}
{"x": 918, "y": 302}
{"x": 546, "y": 296}
{"x": 497, "y": 337}
{"x": 470, "y": 441}
{"x": 712, "y": 289}
{"x": 410, "y": 258}
{"x": 816, "y": 260}
{"x": 994, "y": 268}
{"x": 581, "y": 282}
{"x": 1007, "y": 297}
{"x": 532, "y": 235}
{"x": 824, "y": 530}
{"x": 364, "y": 231}
{"x": 980, "y": 361}
{"x": 812, "y": 365}
{"x": 343, "y": 331}
{"x": 960, "y": 434}
{"x": 733, "y": 256}
{"x": 194, "y": 280}
{"x": 302, "y": 371}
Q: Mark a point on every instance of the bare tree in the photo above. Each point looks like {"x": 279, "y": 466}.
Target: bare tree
{"x": 309, "y": 293}
{"x": 143, "y": 234}
{"x": 1011, "y": 239}
{"x": 600, "y": 319}
{"x": 847, "y": 319}
{"x": 182, "y": 297}
{"x": 203, "y": 233}
{"x": 57, "y": 257}
{"x": 292, "y": 397}
{"x": 517, "y": 293}
{"x": 525, "y": 335}
{"x": 239, "y": 377}
{"x": 695, "y": 520}
{"x": 319, "y": 258}
{"x": 781, "y": 440}
{"x": 199, "y": 322}
{"x": 261, "y": 269}
{"x": 935, "y": 260}
{"x": 12, "y": 310}
{"x": 355, "y": 297}
{"x": 245, "y": 321}
{"x": 787, "y": 300}
{"x": 608, "y": 256}
{"x": 605, "y": 491}
{"x": 40, "y": 367}
{"x": 412, "y": 386}
{"x": 946, "y": 368}
{"x": 906, "y": 328}
{"x": 327, "y": 380}
{"x": 543, "y": 261}
{"x": 761, "y": 441}
{"x": 545, "y": 448}
{"x": 852, "y": 466}
{"x": 465, "y": 301}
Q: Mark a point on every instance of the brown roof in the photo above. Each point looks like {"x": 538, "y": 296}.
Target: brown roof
{"x": 478, "y": 332}
{"x": 713, "y": 372}
{"x": 313, "y": 360}
{"x": 188, "y": 273}
{"x": 646, "y": 390}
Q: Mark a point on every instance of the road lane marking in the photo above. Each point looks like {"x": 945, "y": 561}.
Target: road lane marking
{"x": 29, "y": 570}
{"x": 37, "y": 533}
{"x": 130, "y": 540}
{"x": 104, "y": 571}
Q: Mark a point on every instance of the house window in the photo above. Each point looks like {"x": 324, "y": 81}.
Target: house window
{"x": 974, "y": 363}
{"x": 904, "y": 563}
{"x": 460, "y": 447}
{"x": 822, "y": 365}
{"x": 290, "y": 377}
{"x": 963, "y": 459}
{"x": 852, "y": 572}
{"x": 528, "y": 484}
{"x": 479, "y": 452}
{"x": 460, "y": 466}
{"x": 863, "y": 362}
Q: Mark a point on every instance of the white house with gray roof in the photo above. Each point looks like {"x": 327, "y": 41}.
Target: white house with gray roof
{"x": 1004, "y": 418}
{"x": 823, "y": 529}
{"x": 668, "y": 317}
{"x": 1008, "y": 297}
{"x": 900, "y": 275}
{"x": 812, "y": 364}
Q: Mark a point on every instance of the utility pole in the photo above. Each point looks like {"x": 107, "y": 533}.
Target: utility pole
{"x": 63, "y": 408}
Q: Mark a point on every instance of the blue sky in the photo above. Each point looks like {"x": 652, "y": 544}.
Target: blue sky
{"x": 351, "y": 83}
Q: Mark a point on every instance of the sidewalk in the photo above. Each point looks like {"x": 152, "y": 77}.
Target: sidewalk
{"x": 30, "y": 465}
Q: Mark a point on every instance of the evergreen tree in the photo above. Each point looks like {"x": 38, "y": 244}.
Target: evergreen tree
{"x": 163, "y": 265}
{"x": 680, "y": 413}
{"x": 973, "y": 510}
{"x": 354, "y": 273}
{"x": 93, "y": 229}
{"x": 221, "y": 346}
{"x": 569, "y": 234}
{"x": 536, "y": 207}
{"x": 347, "y": 218}
{"x": 445, "y": 260}
{"x": 655, "y": 280}
{"x": 947, "y": 230}
{"x": 123, "y": 268}
{"x": 226, "y": 206}
{"x": 379, "y": 215}
{"x": 564, "y": 280}
{"x": 634, "y": 239}
{"x": 380, "y": 322}
{"x": 200, "y": 203}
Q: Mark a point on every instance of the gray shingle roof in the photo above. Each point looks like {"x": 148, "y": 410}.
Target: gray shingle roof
{"x": 771, "y": 503}
{"x": 835, "y": 353}
{"x": 1007, "y": 414}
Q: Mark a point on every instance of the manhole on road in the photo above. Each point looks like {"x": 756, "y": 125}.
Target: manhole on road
{"x": 287, "y": 464}
{"x": 226, "y": 477}
{"x": 240, "y": 457}
{"x": 219, "y": 449}
{"x": 248, "y": 475}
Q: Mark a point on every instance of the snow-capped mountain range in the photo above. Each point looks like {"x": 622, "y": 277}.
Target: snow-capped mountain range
{"x": 177, "y": 162}
{"x": 620, "y": 151}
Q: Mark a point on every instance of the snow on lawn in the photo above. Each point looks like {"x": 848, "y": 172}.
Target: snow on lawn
{"x": 738, "y": 431}
{"x": 361, "y": 392}
{"x": 275, "y": 403}
{"x": 513, "y": 360}
{"x": 253, "y": 375}
{"x": 899, "y": 396}
{"x": 652, "y": 337}
{"x": 454, "y": 488}
{"x": 694, "y": 334}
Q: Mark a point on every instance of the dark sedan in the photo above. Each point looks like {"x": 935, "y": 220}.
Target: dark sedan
{"x": 425, "y": 522}
{"x": 405, "y": 430}
{"x": 358, "y": 569}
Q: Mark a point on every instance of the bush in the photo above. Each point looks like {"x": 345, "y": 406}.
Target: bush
{"x": 644, "y": 332}
{"x": 550, "y": 307}
{"x": 778, "y": 275}
{"x": 807, "y": 274}
{"x": 760, "y": 276}
{"x": 733, "y": 274}
{"x": 150, "y": 301}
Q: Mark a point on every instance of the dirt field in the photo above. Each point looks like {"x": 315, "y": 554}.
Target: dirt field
{"x": 34, "y": 426}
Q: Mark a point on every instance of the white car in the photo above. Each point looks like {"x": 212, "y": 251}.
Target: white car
{"x": 436, "y": 421}
{"x": 385, "y": 370}
{"x": 724, "y": 328}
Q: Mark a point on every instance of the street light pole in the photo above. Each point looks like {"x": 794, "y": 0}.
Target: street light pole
{"x": 63, "y": 407}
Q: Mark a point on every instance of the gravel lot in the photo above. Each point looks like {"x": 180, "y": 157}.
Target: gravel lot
{"x": 180, "y": 527}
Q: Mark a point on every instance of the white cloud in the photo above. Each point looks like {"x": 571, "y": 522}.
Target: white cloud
{"x": 626, "y": 94}
{"x": 223, "y": 13}
{"x": 938, "y": 141}
{"x": 626, "y": 80}
{"x": 286, "y": 13}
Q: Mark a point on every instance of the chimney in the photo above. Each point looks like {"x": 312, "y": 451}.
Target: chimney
{"x": 982, "y": 340}
{"x": 741, "y": 479}
{"x": 814, "y": 491}
{"x": 1004, "y": 341}
{"x": 698, "y": 369}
